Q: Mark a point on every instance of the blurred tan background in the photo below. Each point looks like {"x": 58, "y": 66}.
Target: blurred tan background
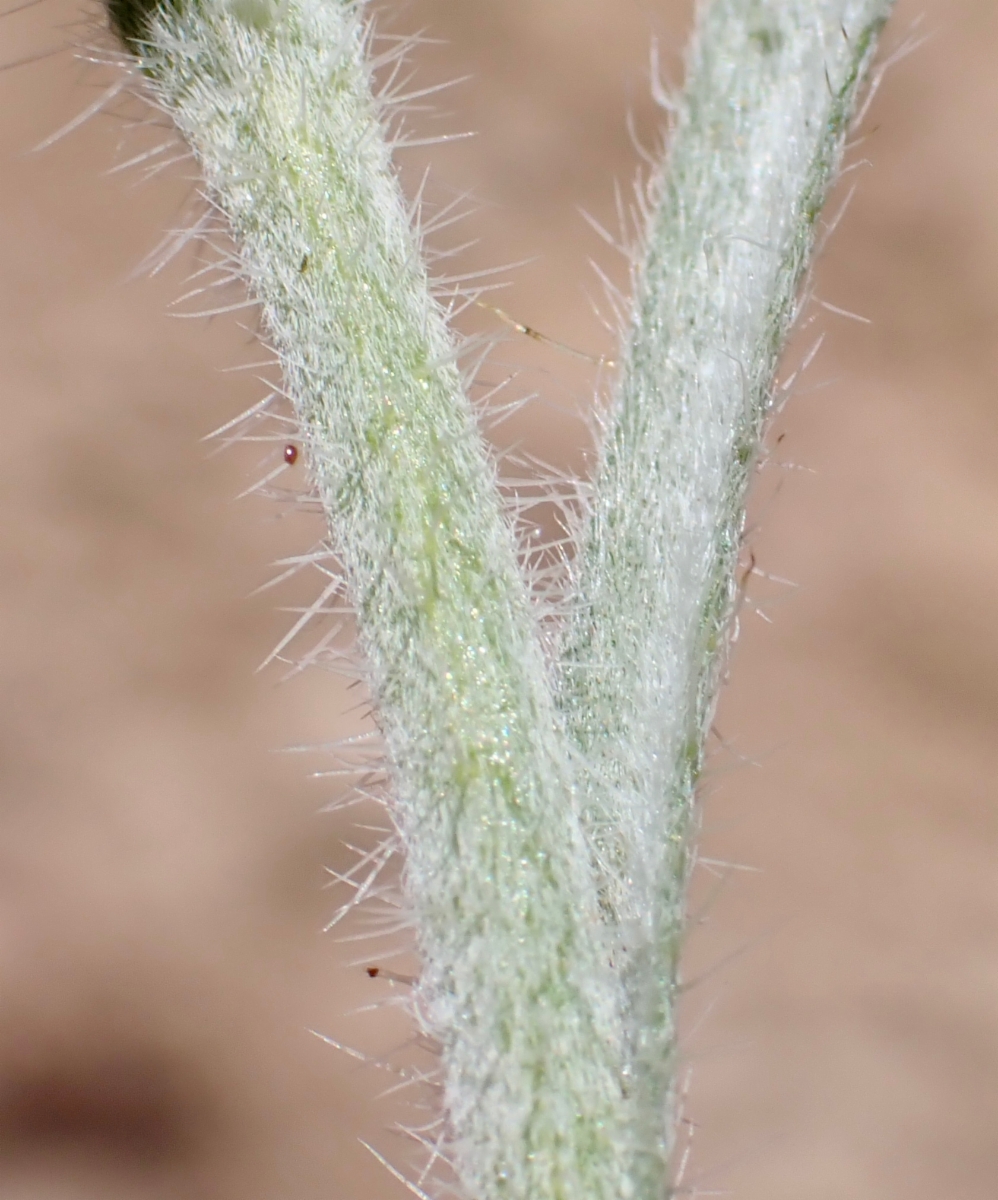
{"x": 161, "y": 883}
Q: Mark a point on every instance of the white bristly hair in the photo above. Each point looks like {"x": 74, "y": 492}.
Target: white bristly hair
{"x": 545, "y": 808}
{"x": 771, "y": 92}
{"x": 516, "y": 986}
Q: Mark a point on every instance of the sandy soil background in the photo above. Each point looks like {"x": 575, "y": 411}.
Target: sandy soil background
{"x": 161, "y": 882}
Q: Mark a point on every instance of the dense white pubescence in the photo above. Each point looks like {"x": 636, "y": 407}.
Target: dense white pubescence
{"x": 517, "y": 985}
{"x": 549, "y": 985}
{"x": 770, "y": 94}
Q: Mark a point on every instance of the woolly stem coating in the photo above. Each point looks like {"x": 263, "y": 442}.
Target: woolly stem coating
{"x": 771, "y": 90}
{"x": 277, "y": 103}
{"x": 547, "y": 873}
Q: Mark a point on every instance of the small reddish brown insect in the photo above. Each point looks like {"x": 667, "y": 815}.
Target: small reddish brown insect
{"x": 291, "y": 454}
{"x": 391, "y": 976}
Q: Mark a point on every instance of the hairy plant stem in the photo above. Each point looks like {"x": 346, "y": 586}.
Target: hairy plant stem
{"x": 771, "y": 89}
{"x": 547, "y": 822}
{"x": 277, "y": 105}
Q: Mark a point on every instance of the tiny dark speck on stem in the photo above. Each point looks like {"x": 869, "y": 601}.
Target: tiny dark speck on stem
{"x": 768, "y": 40}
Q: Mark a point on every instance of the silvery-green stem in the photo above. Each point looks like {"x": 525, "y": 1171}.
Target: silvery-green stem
{"x": 770, "y": 93}
{"x": 546, "y": 828}
{"x": 276, "y": 102}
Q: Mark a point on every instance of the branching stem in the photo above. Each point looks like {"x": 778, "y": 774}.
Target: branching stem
{"x": 547, "y": 821}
